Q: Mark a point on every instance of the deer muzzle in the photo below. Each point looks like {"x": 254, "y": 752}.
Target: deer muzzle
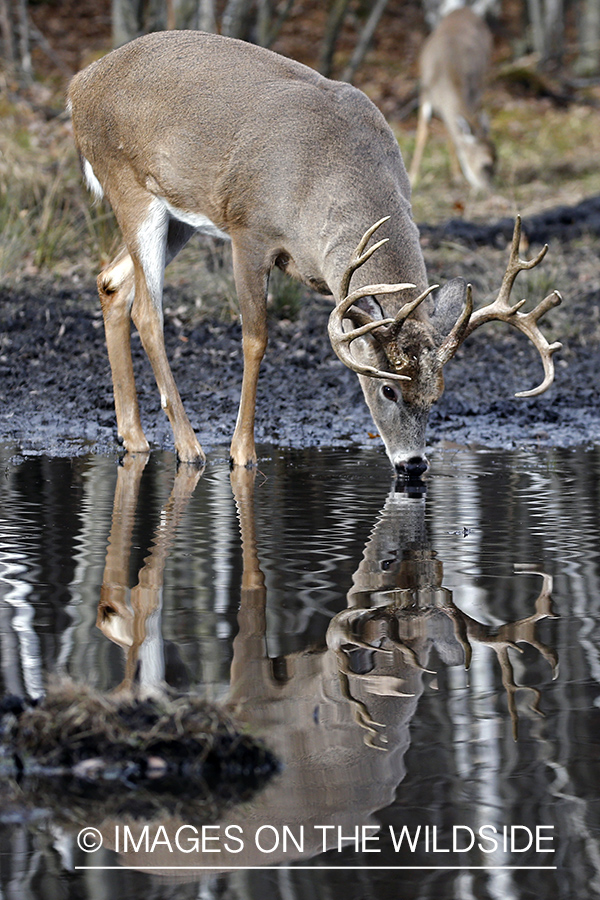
{"x": 413, "y": 467}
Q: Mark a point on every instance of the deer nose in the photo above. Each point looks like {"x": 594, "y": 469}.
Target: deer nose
{"x": 413, "y": 467}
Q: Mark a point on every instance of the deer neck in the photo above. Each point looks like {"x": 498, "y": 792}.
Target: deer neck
{"x": 399, "y": 261}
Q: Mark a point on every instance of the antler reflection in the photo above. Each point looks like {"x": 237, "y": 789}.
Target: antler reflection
{"x": 408, "y": 611}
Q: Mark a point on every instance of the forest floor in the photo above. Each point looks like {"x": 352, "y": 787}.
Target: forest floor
{"x": 56, "y": 393}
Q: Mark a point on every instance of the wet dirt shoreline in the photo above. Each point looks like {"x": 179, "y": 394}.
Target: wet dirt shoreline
{"x": 56, "y": 394}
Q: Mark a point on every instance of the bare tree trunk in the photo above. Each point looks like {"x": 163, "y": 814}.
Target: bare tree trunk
{"x": 588, "y": 60}
{"x": 26, "y": 69}
{"x": 270, "y": 19}
{"x": 184, "y": 13}
{"x": 40, "y": 39}
{"x": 263, "y": 21}
{"x": 234, "y": 18}
{"x": 547, "y": 28}
{"x": 537, "y": 26}
{"x": 206, "y": 15}
{"x": 335, "y": 19}
{"x": 17, "y": 34}
{"x": 171, "y": 14}
{"x": 6, "y": 33}
{"x": 125, "y": 21}
{"x": 240, "y": 18}
{"x": 555, "y": 30}
{"x": 364, "y": 41}
{"x": 130, "y": 18}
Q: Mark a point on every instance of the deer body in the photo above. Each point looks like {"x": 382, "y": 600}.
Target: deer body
{"x": 453, "y": 65}
{"x": 184, "y": 132}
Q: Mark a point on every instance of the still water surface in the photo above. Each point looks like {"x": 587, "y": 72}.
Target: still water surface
{"x": 338, "y": 613}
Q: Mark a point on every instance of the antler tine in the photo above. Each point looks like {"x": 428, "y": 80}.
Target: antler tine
{"x": 501, "y": 310}
{"x": 370, "y": 289}
{"x": 516, "y": 265}
{"x": 528, "y": 324}
{"x": 360, "y": 257}
{"x": 454, "y": 339}
{"x": 341, "y": 340}
{"x": 369, "y": 234}
{"x": 407, "y": 308}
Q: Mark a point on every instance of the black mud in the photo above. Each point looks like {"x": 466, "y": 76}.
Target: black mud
{"x": 56, "y": 394}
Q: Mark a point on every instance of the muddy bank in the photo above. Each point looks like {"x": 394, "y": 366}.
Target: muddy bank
{"x": 56, "y": 394}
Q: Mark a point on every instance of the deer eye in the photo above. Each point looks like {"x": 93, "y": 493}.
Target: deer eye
{"x": 389, "y": 393}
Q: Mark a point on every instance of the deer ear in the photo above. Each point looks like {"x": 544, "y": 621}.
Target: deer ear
{"x": 444, "y": 306}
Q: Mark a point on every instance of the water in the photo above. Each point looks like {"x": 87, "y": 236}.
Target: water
{"x": 337, "y": 614}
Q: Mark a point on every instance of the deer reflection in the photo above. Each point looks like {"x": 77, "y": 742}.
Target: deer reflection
{"x": 337, "y": 715}
{"x": 129, "y": 617}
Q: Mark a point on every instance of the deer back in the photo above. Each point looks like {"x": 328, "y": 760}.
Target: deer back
{"x": 253, "y": 142}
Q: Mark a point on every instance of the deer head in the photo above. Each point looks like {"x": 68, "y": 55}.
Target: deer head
{"x": 400, "y": 359}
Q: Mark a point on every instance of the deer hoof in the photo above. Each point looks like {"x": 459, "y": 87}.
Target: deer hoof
{"x": 242, "y": 460}
{"x": 136, "y": 445}
{"x": 192, "y": 456}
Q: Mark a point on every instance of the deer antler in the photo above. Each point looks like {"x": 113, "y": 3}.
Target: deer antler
{"x": 509, "y": 635}
{"x": 501, "y": 310}
{"x": 340, "y": 339}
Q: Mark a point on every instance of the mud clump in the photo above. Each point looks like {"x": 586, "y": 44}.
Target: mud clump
{"x": 129, "y": 752}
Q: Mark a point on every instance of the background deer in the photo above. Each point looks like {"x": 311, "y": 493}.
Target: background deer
{"x": 184, "y": 132}
{"x": 453, "y": 66}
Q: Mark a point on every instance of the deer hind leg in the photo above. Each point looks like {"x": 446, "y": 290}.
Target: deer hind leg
{"x": 156, "y": 242}
{"x": 131, "y": 287}
{"x": 251, "y": 277}
{"x": 116, "y": 289}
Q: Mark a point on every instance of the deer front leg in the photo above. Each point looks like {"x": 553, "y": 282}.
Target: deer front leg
{"x": 251, "y": 284}
{"x": 420, "y": 141}
{"x": 116, "y": 288}
{"x": 250, "y": 663}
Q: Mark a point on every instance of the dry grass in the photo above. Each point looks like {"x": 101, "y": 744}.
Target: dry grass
{"x": 46, "y": 220}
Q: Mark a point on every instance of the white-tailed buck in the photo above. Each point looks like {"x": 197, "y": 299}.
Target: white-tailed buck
{"x": 453, "y": 66}
{"x": 184, "y": 132}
